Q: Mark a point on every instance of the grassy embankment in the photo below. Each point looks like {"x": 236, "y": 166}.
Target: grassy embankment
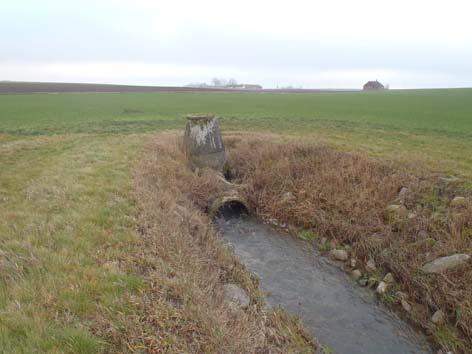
{"x": 69, "y": 209}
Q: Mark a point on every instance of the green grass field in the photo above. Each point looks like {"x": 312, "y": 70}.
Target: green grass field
{"x": 434, "y": 126}
{"x": 446, "y": 112}
{"x": 66, "y": 170}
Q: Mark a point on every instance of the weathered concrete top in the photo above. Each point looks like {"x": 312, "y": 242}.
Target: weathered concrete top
{"x": 203, "y": 142}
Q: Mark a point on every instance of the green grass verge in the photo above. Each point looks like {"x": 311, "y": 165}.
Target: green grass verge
{"x": 67, "y": 215}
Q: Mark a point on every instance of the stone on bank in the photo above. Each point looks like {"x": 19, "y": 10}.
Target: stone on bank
{"x": 339, "y": 255}
{"x": 356, "y": 274}
{"x": 438, "y": 317}
{"x": 442, "y": 264}
{"x": 458, "y": 202}
{"x": 235, "y": 295}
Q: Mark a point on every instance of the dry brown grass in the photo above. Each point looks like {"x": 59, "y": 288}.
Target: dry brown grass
{"x": 343, "y": 196}
{"x": 185, "y": 264}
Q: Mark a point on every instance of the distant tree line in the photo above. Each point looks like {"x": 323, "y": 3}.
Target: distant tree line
{"x": 222, "y": 82}
{"x": 217, "y": 82}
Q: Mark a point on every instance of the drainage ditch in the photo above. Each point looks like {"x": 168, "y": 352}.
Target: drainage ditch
{"x": 344, "y": 317}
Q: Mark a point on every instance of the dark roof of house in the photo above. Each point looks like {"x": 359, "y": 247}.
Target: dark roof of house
{"x": 375, "y": 83}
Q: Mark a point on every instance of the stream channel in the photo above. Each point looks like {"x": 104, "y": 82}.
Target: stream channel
{"x": 343, "y": 316}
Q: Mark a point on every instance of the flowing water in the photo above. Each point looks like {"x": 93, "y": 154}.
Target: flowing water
{"x": 341, "y": 315}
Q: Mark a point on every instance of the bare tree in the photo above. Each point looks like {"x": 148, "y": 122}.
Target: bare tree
{"x": 222, "y": 82}
{"x": 232, "y": 82}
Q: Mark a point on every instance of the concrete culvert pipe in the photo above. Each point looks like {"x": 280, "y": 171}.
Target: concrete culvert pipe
{"x": 203, "y": 142}
{"x": 229, "y": 204}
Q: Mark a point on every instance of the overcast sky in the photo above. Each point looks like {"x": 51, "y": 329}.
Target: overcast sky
{"x": 314, "y": 44}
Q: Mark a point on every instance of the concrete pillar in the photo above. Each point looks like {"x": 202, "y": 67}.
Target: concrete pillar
{"x": 203, "y": 143}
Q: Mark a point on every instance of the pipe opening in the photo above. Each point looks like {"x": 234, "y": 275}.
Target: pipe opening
{"x": 231, "y": 209}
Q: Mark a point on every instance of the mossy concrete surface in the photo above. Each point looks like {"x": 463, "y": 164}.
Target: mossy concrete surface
{"x": 203, "y": 142}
